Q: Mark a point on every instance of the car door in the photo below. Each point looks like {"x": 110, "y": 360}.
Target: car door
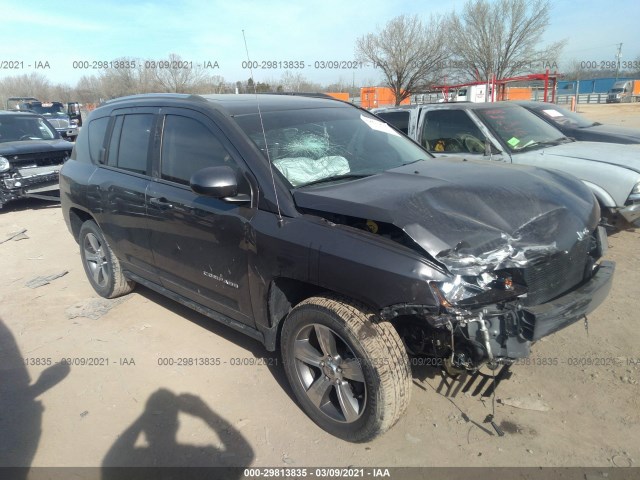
{"x": 454, "y": 132}
{"x": 120, "y": 184}
{"x": 199, "y": 243}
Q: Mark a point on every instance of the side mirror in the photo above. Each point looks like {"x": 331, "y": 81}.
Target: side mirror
{"x": 73, "y": 110}
{"x": 216, "y": 182}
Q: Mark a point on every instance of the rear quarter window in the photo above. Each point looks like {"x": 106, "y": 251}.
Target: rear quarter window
{"x": 129, "y": 145}
{"x": 97, "y": 129}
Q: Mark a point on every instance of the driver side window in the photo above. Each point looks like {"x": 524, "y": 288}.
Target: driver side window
{"x": 451, "y": 131}
{"x": 189, "y": 146}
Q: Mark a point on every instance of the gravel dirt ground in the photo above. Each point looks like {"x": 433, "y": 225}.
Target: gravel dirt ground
{"x": 118, "y": 401}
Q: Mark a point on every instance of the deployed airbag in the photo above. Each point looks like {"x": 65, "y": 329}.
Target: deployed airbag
{"x": 301, "y": 170}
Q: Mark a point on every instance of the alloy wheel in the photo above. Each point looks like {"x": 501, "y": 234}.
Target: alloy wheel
{"x": 330, "y": 373}
{"x": 96, "y": 259}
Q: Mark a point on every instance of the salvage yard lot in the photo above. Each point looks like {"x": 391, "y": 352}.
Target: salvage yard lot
{"x": 142, "y": 380}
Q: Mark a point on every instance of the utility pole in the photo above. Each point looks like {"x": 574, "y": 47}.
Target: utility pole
{"x": 618, "y": 60}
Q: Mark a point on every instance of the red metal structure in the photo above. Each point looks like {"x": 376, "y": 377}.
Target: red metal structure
{"x": 498, "y": 86}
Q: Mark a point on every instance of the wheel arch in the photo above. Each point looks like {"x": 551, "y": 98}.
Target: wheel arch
{"x": 76, "y": 218}
{"x": 603, "y": 197}
{"x": 284, "y": 294}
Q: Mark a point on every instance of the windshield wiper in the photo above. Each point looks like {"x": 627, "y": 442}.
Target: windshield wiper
{"x": 346, "y": 176}
{"x": 414, "y": 161}
{"x": 549, "y": 143}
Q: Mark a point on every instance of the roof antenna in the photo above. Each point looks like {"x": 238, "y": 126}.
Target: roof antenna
{"x": 264, "y": 135}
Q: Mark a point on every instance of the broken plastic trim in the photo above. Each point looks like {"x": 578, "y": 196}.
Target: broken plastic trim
{"x": 510, "y": 255}
{"x": 444, "y": 303}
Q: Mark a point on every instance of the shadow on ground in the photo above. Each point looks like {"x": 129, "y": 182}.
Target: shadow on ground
{"x": 151, "y": 440}
{"x": 20, "y": 411}
{"x": 22, "y": 204}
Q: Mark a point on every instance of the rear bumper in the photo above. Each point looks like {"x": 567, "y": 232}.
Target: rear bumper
{"x": 563, "y": 311}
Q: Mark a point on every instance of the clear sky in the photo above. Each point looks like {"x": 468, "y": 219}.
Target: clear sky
{"x": 37, "y": 32}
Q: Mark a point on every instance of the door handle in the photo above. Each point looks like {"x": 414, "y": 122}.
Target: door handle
{"x": 160, "y": 202}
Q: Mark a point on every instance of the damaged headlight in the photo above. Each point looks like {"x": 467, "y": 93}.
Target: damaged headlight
{"x": 459, "y": 289}
{"x": 462, "y": 287}
{"x": 4, "y": 165}
{"x": 635, "y": 192}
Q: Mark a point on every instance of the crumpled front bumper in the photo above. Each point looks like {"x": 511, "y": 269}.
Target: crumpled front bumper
{"x": 567, "y": 309}
{"x": 631, "y": 213}
{"x": 42, "y": 179}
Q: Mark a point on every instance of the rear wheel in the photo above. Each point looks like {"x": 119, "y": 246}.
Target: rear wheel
{"x": 100, "y": 263}
{"x": 347, "y": 368}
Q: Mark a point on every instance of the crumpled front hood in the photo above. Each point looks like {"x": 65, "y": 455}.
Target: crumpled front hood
{"x": 470, "y": 216}
{"x": 612, "y": 153}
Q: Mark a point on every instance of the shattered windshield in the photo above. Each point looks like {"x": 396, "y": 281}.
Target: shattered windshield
{"x": 329, "y": 144}
{"x": 520, "y": 129}
{"x": 13, "y": 129}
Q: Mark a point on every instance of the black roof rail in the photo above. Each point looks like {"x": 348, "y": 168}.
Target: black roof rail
{"x": 301, "y": 94}
{"x": 143, "y": 96}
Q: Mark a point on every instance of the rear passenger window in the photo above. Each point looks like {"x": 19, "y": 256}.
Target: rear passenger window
{"x": 129, "y": 146}
{"x": 189, "y": 146}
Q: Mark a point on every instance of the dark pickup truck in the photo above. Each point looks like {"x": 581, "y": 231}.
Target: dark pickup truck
{"x": 65, "y": 118}
{"x": 321, "y": 231}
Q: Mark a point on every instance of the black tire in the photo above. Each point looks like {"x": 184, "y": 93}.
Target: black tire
{"x": 348, "y": 369}
{"x": 100, "y": 263}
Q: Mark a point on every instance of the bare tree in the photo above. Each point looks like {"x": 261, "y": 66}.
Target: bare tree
{"x": 88, "y": 90}
{"x": 501, "y": 38}
{"x": 296, "y": 82}
{"x": 343, "y": 85}
{"x": 127, "y": 77}
{"x": 62, "y": 92}
{"x": 581, "y": 70}
{"x": 26, "y": 85}
{"x": 213, "y": 84}
{"x": 572, "y": 70}
{"x": 179, "y": 77}
{"x": 409, "y": 53}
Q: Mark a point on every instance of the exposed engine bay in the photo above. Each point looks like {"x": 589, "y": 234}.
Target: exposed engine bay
{"x": 485, "y": 318}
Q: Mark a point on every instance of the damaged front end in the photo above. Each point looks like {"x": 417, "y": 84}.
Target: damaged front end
{"x": 519, "y": 250}
{"x": 496, "y": 305}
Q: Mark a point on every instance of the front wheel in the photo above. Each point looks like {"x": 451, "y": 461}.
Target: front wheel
{"x": 348, "y": 369}
{"x": 102, "y": 267}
